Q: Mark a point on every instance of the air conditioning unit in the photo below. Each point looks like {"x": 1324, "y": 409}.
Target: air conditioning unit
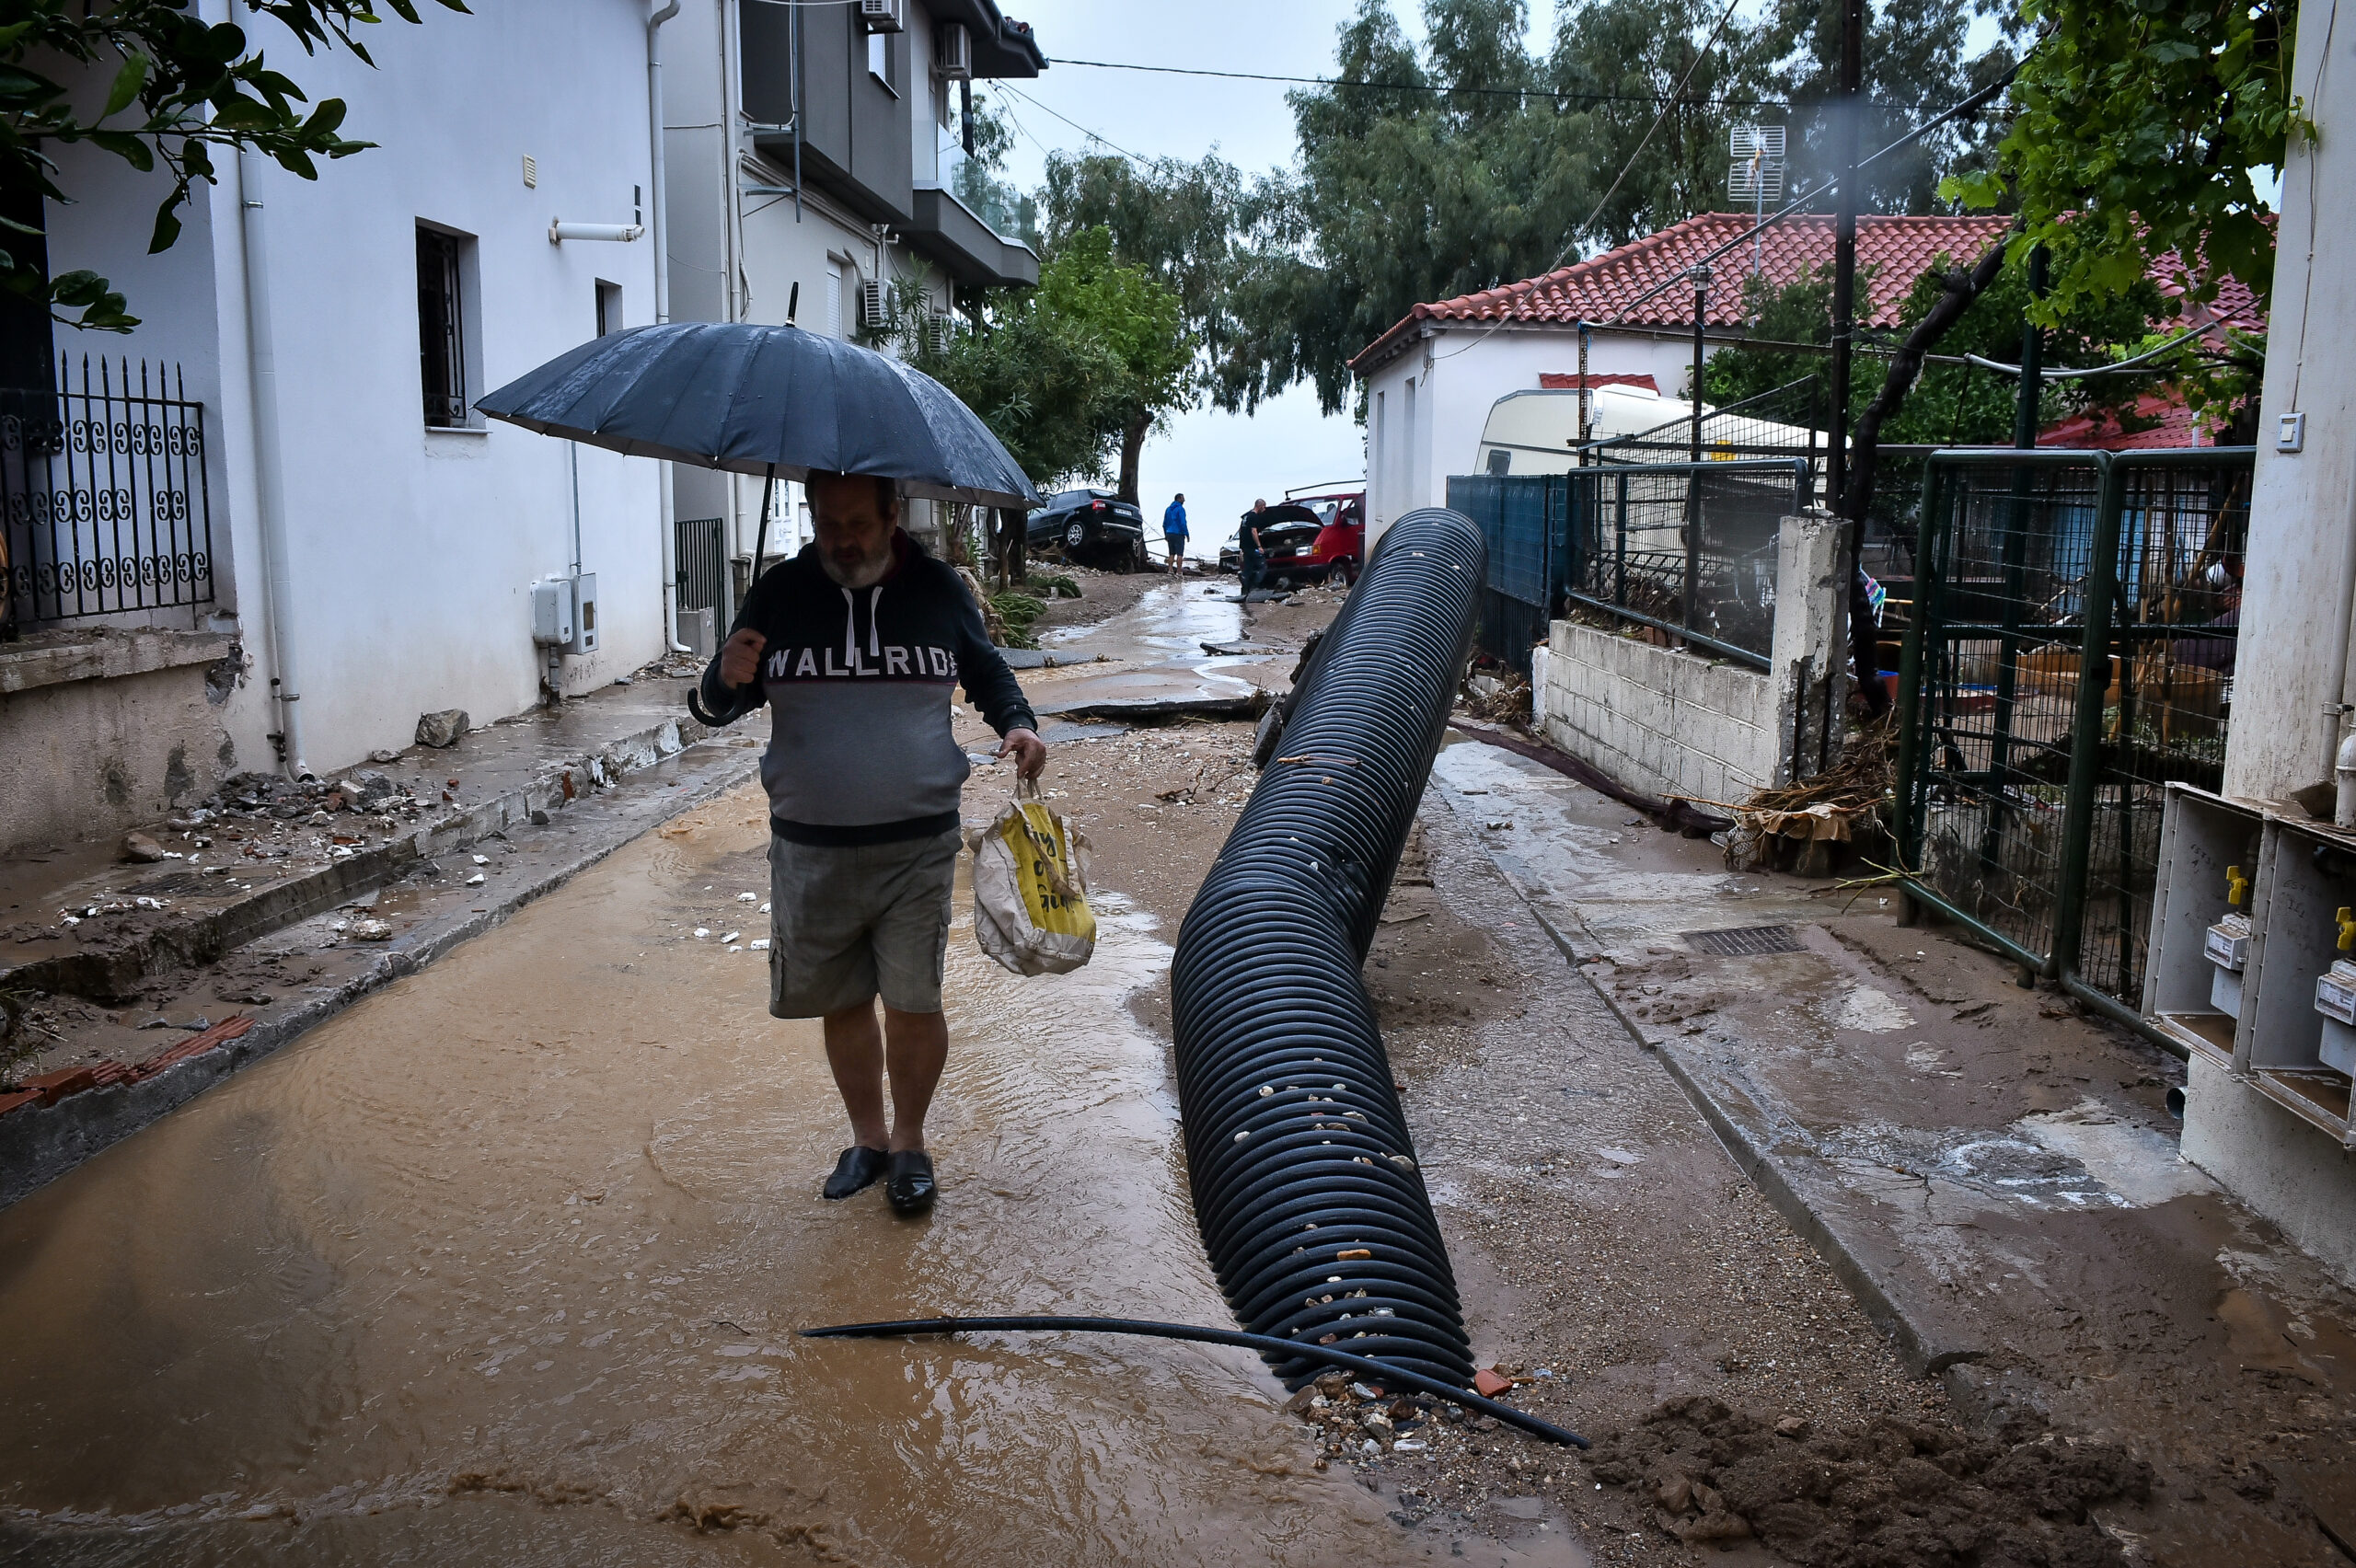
{"x": 872, "y": 303}
{"x": 940, "y": 331}
{"x": 883, "y": 15}
{"x": 952, "y": 54}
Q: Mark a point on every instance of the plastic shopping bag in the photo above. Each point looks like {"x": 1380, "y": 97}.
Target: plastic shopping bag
{"x": 1030, "y": 888}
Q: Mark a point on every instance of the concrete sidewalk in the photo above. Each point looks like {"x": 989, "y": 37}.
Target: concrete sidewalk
{"x": 269, "y": 918}
{"x": 1994, "y": 1175}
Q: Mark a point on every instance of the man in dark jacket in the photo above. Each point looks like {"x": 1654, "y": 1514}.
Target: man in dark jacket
{"x": 856, "y": 644}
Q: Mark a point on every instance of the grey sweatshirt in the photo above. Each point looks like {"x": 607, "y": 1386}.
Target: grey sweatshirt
{"x": 858, "y": 683}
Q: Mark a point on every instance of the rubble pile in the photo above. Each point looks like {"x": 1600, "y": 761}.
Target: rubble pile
{"x": 1890, "y": 1491}
{"x": 1359, "y": 1422}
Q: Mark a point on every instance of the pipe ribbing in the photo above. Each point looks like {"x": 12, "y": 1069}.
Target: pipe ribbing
{"x": 1306, "y": 1187}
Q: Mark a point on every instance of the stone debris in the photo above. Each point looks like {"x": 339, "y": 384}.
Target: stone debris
{"x": 370, "y": 929}
{"x": 1886, "y": 1490}
{"x": 138, "y": 847}
{"x": 442, "y": 728}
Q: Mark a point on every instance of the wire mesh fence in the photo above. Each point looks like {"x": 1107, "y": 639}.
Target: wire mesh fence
{"x": 105, "y": 494}
{"x": 1684, "y": 552}
{"x": 2068, "y": 654}
{"x": 2174, "y": 632}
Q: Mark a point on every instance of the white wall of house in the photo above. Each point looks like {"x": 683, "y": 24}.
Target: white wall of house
{"x": 777, "y": 243}
{"x": 411, "y": 552}
{"x": 2299, "y": 594}
{"x": 1427, "y": 406}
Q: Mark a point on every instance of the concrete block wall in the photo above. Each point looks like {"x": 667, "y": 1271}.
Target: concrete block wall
{"x": 1668, "y": 722}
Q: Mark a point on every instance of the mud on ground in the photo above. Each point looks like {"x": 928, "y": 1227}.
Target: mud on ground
{"x": 1612, "y": 1260}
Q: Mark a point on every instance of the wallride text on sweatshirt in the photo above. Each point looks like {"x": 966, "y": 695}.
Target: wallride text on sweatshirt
{"x": 857, "y": 682}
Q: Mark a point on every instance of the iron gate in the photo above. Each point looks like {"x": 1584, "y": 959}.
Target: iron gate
{"x": 2070, "y": 652}
{"x": 702, "y": 564}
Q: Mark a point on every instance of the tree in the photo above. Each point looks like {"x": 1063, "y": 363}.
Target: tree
{"x": 1061, "y": 372}
{"x": 2140, "y": 125}
{"x": 178, "y": 89}
{"x": 1176, "y": 221}
{"x": 1474, "y": 164}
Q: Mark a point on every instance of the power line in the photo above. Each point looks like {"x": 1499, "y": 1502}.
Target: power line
{"x": 1563, "y": 94}
{"x": 1572, "y": 240}
{"x": 1075, "y": 124}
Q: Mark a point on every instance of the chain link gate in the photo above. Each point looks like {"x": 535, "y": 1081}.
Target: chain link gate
{"x": 2070, "y": 652}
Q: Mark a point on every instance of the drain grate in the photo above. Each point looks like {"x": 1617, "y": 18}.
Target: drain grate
{"x": 1742, "y": 941}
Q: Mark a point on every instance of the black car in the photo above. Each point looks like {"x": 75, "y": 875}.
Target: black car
{"x": 1090, "y": 523}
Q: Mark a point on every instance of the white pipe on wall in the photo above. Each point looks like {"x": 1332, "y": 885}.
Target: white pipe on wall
{"x": 270, "y": 476}
{"x": 657, "y": 215}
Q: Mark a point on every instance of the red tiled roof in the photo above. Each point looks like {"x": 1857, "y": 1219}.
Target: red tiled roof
{"x": 1892, "y": 252}
{"x": 2167, "y": 423}
{"x": 1560, "y": 381}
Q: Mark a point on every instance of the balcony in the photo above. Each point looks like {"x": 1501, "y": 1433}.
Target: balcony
{"x": 968, "y": 246}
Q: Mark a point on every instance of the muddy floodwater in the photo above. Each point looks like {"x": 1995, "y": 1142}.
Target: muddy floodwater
{"x": 503, "y": 1265}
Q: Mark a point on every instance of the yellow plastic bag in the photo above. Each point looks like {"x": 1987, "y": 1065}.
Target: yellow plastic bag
{"x": 1030, "y": 888}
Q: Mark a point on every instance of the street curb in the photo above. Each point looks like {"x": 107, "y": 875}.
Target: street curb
{"x": 38, "y": 1144}
{"x": 1914, "y": 1347}
{"x": 201, "y": 937}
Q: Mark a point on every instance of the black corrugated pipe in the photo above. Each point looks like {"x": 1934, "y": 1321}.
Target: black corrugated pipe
{"x": 1306, "y": 1187}
{"x": 1305, "y": 1182}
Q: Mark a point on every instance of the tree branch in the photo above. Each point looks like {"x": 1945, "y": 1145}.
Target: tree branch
{"x": 1960, "y": 291}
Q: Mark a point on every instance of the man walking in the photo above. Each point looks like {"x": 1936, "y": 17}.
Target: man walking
{"x": 1254, "y": 562}
{"x": 856, "y": 644}
{"x": 1174, "y": 534}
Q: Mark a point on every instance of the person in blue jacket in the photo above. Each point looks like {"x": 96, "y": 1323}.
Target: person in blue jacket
{"x": 1174, "y": 534}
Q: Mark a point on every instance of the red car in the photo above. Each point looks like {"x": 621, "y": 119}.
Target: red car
{"x": 1309, "y": 540}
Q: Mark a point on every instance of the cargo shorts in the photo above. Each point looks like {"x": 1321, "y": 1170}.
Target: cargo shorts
{"x": 849, "y": 923}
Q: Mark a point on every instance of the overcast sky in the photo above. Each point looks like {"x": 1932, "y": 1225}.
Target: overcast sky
{"x": 1220, "y": 461}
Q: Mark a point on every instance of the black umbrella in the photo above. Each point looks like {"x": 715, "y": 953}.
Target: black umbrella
{"x": 777, "y": 401}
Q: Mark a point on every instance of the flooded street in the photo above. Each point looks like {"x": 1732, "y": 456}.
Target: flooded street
{"x": 503, "y": 1265}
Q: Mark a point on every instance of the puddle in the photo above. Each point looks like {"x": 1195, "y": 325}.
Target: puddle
{"x": 2143, "y": 1165}
{"x": 1869, "y": 1010}
{"x": 504, "y": 1264}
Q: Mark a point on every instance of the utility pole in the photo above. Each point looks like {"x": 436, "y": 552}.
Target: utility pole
{"x": 1845, "y": 246}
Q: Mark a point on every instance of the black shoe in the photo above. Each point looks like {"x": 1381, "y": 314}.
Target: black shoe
{"x": 859, "y": 1168}
{"x": 909, "y": 1185}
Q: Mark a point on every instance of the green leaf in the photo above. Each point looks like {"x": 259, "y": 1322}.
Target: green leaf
{"x": 127, "y": 83}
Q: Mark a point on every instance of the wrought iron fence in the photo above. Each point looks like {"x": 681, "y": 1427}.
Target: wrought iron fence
{"x": 104, "y": 488}
{"x": 2070, "y": 652}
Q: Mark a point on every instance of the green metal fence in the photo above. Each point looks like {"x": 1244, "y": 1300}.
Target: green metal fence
{"x": 2070, "y": 652}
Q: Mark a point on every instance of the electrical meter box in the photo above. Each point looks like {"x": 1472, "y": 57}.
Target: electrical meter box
{"x": 2336, "y": 1000}
{"x": 553, "y": 617}
{"x": 585, "y": 615}
{"x": 2226, "y": 946}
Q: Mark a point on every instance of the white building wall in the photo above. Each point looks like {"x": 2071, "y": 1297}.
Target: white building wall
{"x": 411, "y": 552}
{"x": 1459, "y": 372}
{"x": 2301, "y": 573}
{"x": 2300, "y": 579}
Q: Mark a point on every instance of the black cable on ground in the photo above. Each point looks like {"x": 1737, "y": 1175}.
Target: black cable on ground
{"x": 1391, "y": 1376}
{"x": 1305, "y": 1182}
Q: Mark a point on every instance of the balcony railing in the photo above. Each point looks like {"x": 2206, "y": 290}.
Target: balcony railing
{"x": 106, "y": 506}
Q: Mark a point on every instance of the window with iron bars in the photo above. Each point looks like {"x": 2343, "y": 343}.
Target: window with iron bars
{"x": 440, "y": 328}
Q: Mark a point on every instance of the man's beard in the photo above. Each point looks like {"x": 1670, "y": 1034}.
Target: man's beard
{"x": 863, "y": 571}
